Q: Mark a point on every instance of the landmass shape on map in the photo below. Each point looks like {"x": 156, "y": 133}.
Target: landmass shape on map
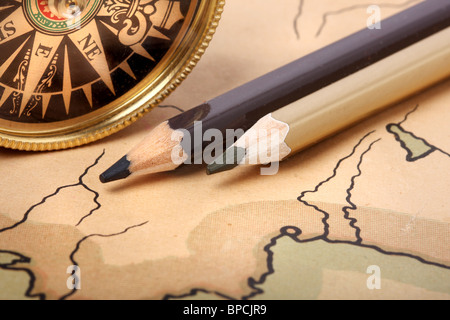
{"x": 416, "y": 282}
{"x": 416, "y": 147}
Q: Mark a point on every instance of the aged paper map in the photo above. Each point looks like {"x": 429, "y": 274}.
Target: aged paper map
{"x": 362, "y": 215}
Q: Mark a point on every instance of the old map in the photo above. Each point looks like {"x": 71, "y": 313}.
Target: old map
{"x": 362, "y": 215}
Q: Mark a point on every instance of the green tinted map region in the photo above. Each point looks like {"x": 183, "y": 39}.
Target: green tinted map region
{"x": 13, "y": 284}
{"x": 300, "y": 270}
{"x": 416, "y": 147}
{"x": 316, "y": 268}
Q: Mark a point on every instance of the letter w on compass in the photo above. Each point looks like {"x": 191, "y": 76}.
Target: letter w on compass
{"x": 132, "y": 14}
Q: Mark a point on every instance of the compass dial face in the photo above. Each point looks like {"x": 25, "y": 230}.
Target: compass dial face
{"x": 70, "y": 65}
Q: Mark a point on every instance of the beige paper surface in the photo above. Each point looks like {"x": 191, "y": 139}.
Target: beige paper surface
{"x": 374, "y": 198}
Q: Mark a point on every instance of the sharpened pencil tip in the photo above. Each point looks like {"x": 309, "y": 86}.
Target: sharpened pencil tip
{"x": 227, "y": 161}
{"x": 119, "y": 170}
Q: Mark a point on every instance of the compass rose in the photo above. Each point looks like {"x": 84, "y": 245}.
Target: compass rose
{"x": 66, "y": 58}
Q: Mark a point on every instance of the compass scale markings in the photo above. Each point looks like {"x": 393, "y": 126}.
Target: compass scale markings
{"x": 156, "y": 34}
{"x": 140, "y": 50}
{"x": 7, "y": 92}
{"x": 45, "y": 102}
{"x": 13, "y": 26}
{"x": 87, "y": 89}
{"x": 7, "y": 7}
{"x": 126, "y": 67}
{"x": 67, "y": 83}
{"x": 137, "y": 48}
{"x": 43, "y": 50}
{"x": 88, "y": 42}
{"x": 8, "y": 62}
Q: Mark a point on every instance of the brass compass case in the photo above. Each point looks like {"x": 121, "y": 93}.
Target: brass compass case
{"x": 75, "y": 71}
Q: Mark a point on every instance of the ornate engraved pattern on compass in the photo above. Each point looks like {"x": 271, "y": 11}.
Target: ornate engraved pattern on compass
{"x": 132, "y": 15}
{"x": 55, "y": 67}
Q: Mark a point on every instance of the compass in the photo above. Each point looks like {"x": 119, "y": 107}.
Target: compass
{"x": 75, "y": 71}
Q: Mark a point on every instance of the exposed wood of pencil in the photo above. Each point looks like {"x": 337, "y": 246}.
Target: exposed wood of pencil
{"x": 158, "y": 152}
{"x": 341, "y": 104}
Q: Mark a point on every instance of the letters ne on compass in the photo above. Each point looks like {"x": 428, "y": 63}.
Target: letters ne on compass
{"x": 50, "y": 23}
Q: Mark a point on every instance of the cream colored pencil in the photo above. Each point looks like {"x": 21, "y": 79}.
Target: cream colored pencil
{"x": 341, "y": 104}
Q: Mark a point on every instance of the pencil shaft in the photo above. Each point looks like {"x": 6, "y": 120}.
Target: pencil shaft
{"x": 337, "y": 106}
{"x": 244, "y": 105}
{"x": 356, "y": 97}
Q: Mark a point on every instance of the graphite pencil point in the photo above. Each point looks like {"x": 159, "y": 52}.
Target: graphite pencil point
{"x": 228, "y": 161}
{"x": 119, "y": 170}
